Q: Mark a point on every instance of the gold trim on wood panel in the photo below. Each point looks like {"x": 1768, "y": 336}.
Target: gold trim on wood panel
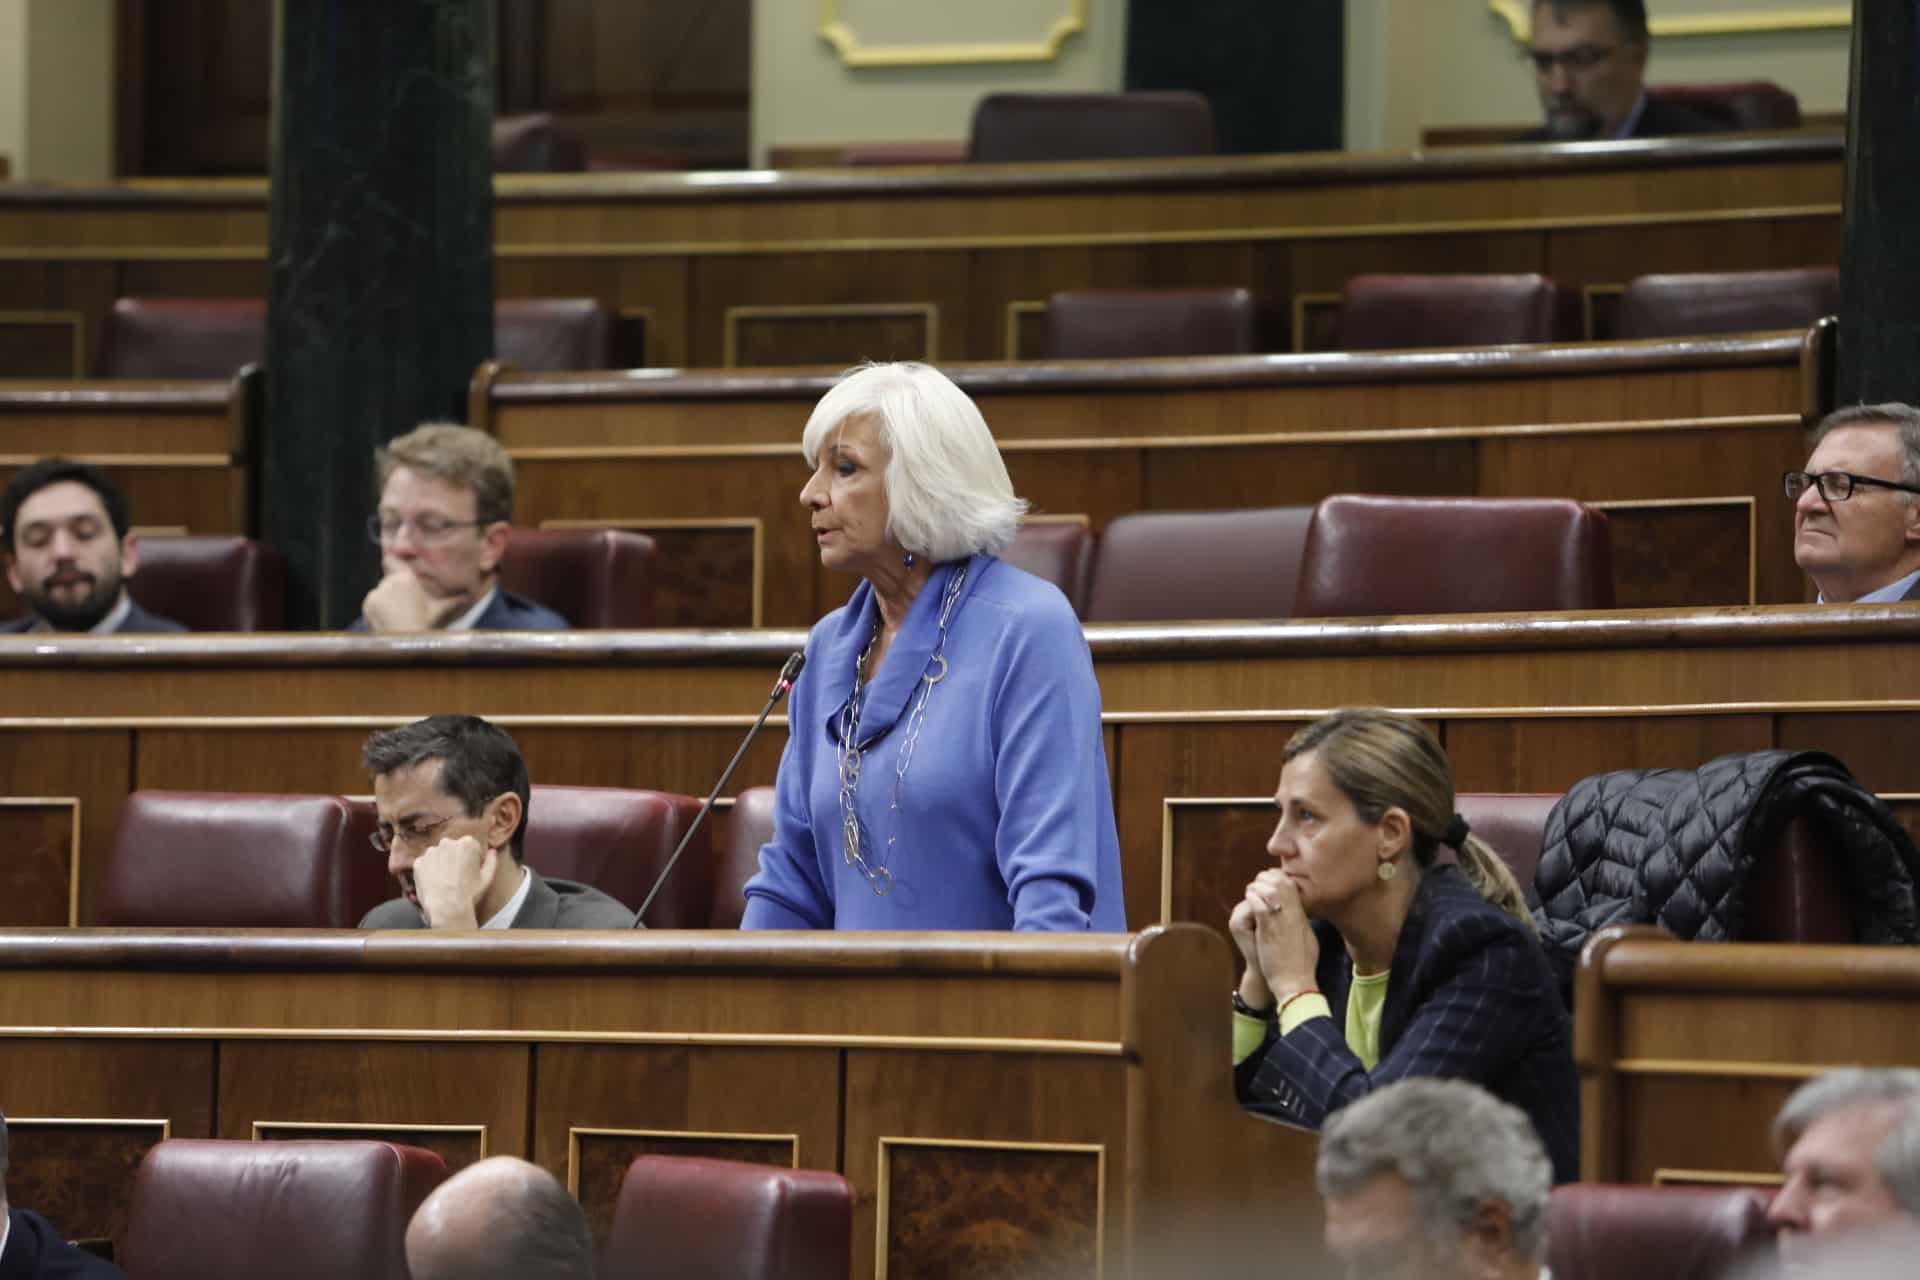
{"x": 91, "y": 1122}
{"x": 74, "y": 320}
{"x": 159, "y": 530}
{"x": 1069, "y": 444}
{"x": 1518, "y": 15}
{"x": 191, "y": 460}
{"x": 574, "y": 1134}
{"x": 1301, "y": 301}
{"x": 1015, "y": 309}
{"x": 1097, "y": 1149}
{"x": 929, "y": 313}
{"x": 1714, "y": 1177}
{"x": 261, "y": 1130}
{"x": 1716, "y": 1068}
{"x": 942, "y": 1044}
{"x": 73, "y": 843}
{"x": 846, "y": 43}
{"x": 640, "y": 524}
{"x": 1753, "y": 526}
{"x": 1068, "y": 517}
{"x": 1167, "y": 806}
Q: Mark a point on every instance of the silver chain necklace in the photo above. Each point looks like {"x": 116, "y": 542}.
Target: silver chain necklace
{"x": 853, "y": 835}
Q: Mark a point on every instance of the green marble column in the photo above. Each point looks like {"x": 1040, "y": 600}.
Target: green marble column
{"x": 1879, "y": 355}
{"x": 381, "y": 264}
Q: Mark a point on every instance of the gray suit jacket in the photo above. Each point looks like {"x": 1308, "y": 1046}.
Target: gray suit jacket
{"x": 550, "y": 904}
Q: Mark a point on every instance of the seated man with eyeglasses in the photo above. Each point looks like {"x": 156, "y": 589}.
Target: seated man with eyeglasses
{"x": 1589, "y": 60}
{"x": 1856, "y": 508}
{"x": 451, "y": 793}
{"x": 446, "y": 505}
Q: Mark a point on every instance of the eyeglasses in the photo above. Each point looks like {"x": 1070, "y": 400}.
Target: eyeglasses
{"x": 384, "y": 837}
{"x": 426, "y": 529}
{"x": 1582, "y": 57}
{"x": 1835, "y": 486}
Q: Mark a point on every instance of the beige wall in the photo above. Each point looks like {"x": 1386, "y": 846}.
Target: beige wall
{"x": 1414, "y": 64}
{"x": 56, "y": 88}
{"x": 803, "y": 92}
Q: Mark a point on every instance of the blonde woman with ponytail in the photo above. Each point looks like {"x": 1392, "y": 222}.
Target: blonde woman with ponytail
{"x": 1369, "y": 960}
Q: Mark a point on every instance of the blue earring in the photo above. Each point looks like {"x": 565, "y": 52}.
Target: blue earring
{"x": 908, "y": 562}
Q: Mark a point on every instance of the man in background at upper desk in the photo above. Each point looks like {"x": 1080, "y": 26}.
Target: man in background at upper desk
{"x": 446, "y": 506}
{"x": 64, "y": 530}
{"x": 1856, "y": 507}
{"x": 1589, "y": 62}
{"x": 451, "y": 794}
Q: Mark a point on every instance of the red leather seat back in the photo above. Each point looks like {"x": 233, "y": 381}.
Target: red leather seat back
{"x": 618, "y": 840}
{"x": 749, "y": 826}
{"x": 219, "y": 860}
{"x": 546, "y": 335}
{"x": 1122, "y": 324}
{"x": 1702, "y": 302}
{"x": 536, "y": 143}
{"x": 1167, "y": 566}
{"x": 1745, "y": 104}
{"x": 594, "y": 578}
{"x": 212, "y": 582}
{"x": 173, "y": 338}
{"x": 687, "y": 1218}
{"x": 1388, "y": 312}
{"x": 1513, "y": 823}
{"x": 1598, "y": 1232}
{"x": 1372, "y": 556}
{"x": 862, "y": 155}
{"x": 207, "y": 1210}
{"x": 1010, "y": 128}
{"x": 1061, "y": 551}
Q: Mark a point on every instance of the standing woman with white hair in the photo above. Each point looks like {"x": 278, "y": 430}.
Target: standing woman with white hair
{"x": 944, "y": 766}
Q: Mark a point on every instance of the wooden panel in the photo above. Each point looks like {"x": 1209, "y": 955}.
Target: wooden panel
{"x": 705, "y": 573}
{"x": 92, "y": 766}
{"x": 962, "y": 1210}
{"x": 1881, "y": 748}
{"x": 42, "y": 344}
{"x": 847, "y": 334}
{"x": 1551, "y": 754}
{"x": 40, "y": 872}
{"x": 1677, "y": 554}
{"x": 1289, "y": 475}
{"x": 1708, "y": 1123}
{"x": 600, "y": 1158}
{"x": 1213, "y": 848}
{"x": 79, "y": 1173}
{"x": 299, "y": 1085}
{"x": 893, "y": 1097}
{"x": 66, "y": 1165}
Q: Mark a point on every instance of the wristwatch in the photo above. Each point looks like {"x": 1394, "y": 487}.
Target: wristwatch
{"x": 1240, "y": 1006}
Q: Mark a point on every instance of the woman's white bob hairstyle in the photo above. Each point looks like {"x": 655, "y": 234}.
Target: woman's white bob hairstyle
{"x": 948, "y": 495}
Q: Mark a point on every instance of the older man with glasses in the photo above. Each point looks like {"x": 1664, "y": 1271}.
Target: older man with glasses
{"x": 1589, "y": 59}
{"x": 1856, "y": 507}
{"x": 451, "y": 793}
{"x": 446, "y": 505}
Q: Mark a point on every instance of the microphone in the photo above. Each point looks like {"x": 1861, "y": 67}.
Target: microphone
{"x": 789, "y": 672}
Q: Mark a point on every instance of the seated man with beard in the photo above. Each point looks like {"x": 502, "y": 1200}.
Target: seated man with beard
{"x": 64, "y": 535}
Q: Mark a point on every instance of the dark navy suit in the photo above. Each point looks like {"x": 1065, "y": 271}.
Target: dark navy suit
{"x": 137, "y": 621}
{"x": 35, "y": 1251}
{"x": 508, "y": 612}
{"x": 1470, "y": 997}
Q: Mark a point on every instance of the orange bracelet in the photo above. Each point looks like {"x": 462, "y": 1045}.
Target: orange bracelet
{"x": 1281, "y": 1012}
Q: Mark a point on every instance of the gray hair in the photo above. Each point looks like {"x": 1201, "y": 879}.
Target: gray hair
{"x": 1898, "y": 1157}
{"x": 1457, "y": 1147}
{"x": 948, "y": 492}
{"x": 1891, "y": 413}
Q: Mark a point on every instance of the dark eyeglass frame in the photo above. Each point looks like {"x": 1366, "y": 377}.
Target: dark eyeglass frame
{"x": 1577, "y": 60}
{"x": 377, "y": 532}
{"x": 382, "y": 839}
{"x": 1796, "y": 483}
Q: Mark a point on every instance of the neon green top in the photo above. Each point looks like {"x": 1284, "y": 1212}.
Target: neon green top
{"x": 1365, "y": 1002}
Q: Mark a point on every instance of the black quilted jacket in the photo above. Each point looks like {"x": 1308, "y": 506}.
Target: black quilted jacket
{"x": 1672, "y": 847}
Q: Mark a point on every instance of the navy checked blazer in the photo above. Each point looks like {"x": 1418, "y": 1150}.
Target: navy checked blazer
{"x": 1471, "y": 997}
